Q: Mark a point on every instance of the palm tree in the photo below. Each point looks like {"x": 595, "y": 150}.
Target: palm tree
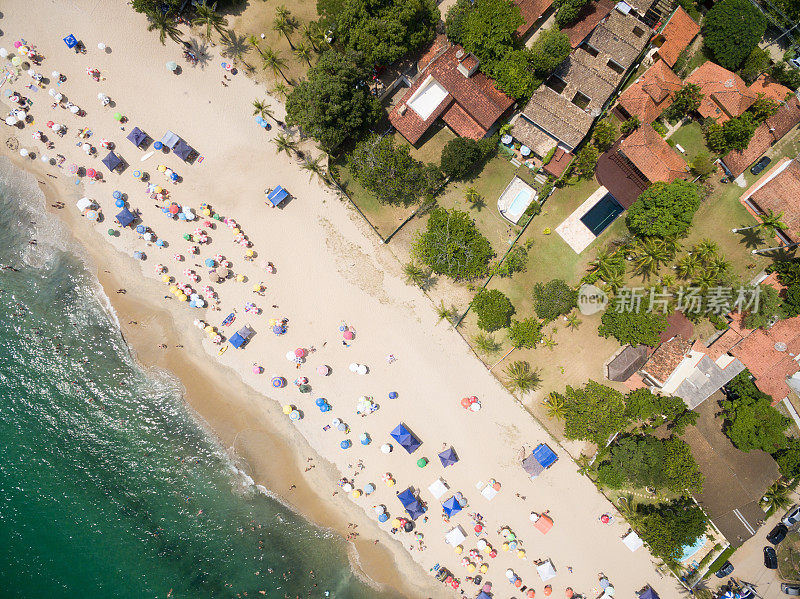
{"x": 777, "y": 497}
{"x": 603, "y": 262}
{"x": 415, "y": 274}
{"x": 688, "y": 266}
{"x": 165, "y": 26}
{"x": 207, "y": 16}
{"x": 770, "y": 223}
{"x": 281, "y": 90}
{"x": 445, "y": 313}
{"x": 286, "y": 25}
{"x": 573, "y": 322}
{"x": 523, "y": 378}
{"x": 274, "y": 62}
{"x": 486, "y": 343}
{"x": 548, "y": 342}
{"x": 284, "y": 144}
{"x": 614, "y": 280}
{"x": 253, "y": 41}
{"x": 556, "y": 409}
{"x": 282, "y": 12}
{"x": 262, "y": 109}
{"x": 303, "y": 52}
{"x": 706, "y": 250}
{"x": 585, "y": 465}
{"x": 314, "y": 167}
{"x": 667, "y": 280}
{"x": 648, "y": 256}
{"x": 474, "y": 199}
{"x": 627, "y": 507}
{"x": 234, "y": 46}
{"x": 315, "y": 37}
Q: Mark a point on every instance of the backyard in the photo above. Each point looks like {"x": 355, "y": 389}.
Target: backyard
{"x": 690, "y": 137}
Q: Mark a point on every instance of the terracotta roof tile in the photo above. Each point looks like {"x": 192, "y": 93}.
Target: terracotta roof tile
{"x": 666, "y": 359}
{"x": 782, "y": 194}
{"x": 724, "y": 93}
{"x": 558, "y": 163}
{"x": 770, "y": 365}
{"x": 677, "y": 324}
{"x": 651, "y": 93}
{"x": 767, "y": 133}
{"x": 476, "y": 96}
{"x": 770, "y": 88}
{"x": 531, "y": 11}
{"x": 463, "y": 124}
{"x": 589, "y": 18}
{"x": 679, "y": 32}
{"x": 653, "y": 156}
{"x": 558, "y": 116}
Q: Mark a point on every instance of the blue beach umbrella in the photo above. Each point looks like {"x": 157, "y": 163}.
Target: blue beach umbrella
{"x": 383, "y": 518}
{"x": 210, "y": 263}
{"x": 119, "y": 204}
{"x": 369, "y": 488}
{"x": 158, "y": 145}
{"x": 160, "y": 243}
{"x": 117, "y": 195}
{"x": 320, "y": 401}
{"x": 141, "y": 228}
{"x": 393, "y": 395}
{"x": 345, "y": 444}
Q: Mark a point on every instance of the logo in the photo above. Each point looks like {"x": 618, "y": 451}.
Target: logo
{"x": 591, "y": 299}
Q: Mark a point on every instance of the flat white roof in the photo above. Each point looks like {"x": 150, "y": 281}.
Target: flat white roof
{"x": 427, "y": 98}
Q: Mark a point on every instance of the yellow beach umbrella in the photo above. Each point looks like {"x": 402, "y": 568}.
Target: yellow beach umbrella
{"x": 206, "y": 212}
{"x": 258, "y": 288}
{"x": 521, "y": 554}
{"x": 183, "y": 297}
{"x": 356, "y": 493}
{"x": 390, "y": 482}
{"x": 240, "y": 278}
{"x": 249, "y": 253}
{"x": 459, "y": 549}
{"x": 287, "y": 409}
{"x": 161, "y": 168}
{"x": 236, "y": 230}
{"x": 395, "y": 523}
{"x": 209, "y": 329}
{"x": 173, "y": 289}
{"x": 159, "y": 190}
{"x": 471, "y": 567}
{"x": 504, "y": 547}
{"x": 212, "y": 333}
{"x": 484, "y": 568}
{"x": 166, "y": 278}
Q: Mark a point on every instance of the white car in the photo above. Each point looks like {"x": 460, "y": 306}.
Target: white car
{"x": 792, "y": 517}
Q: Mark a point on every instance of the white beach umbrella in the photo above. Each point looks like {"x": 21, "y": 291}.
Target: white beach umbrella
{"x": 353, "y": 367}
{"x": 290, "y": 356}
{"x": 11, "y": 120}
{"x": 23, "y": 152}
{"x": 55, "y": 75}
{"x": 45, "y": 158}
{"x": 101, "y": 46}
{"x": 58, "y": 97}
{"x": 31, "y": 72}
{"x": 74, "y": 109}
{"x": 386, "y": 448}
{"x": 3, "y": 53}
{"x": 52, "y": 92}
{"x": 362, "y": 369}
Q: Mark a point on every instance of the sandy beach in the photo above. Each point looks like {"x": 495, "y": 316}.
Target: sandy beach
{"x": 329, "y": 270}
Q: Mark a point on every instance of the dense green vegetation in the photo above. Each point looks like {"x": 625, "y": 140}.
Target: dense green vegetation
{"x": 664, "y": 210}
{"x": 568, "y": 11}
{"x": 554, "y": 298}
{"x": 668, "y": 527}
{"x": 493, "y": 309}
{"x": 631, "y": 326}
{"x": 750, "y": 420}
{"x": 462, "y": 155}
{"x": 731, "y": 29}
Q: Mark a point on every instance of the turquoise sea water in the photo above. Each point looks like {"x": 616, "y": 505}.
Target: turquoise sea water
{"x": 108, "y": 487}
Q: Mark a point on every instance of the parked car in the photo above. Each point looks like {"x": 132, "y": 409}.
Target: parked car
{"x": 790, "y": 589}
{"x": 770, "y": 558}
{"x": 760, "y": 165}
{"x": 792, "y": 517}
{"x": 726, "y": 569}
{"x": 777, "y": 534}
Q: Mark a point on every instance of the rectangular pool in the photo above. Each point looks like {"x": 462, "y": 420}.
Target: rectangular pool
{"x": 602, "y": 214}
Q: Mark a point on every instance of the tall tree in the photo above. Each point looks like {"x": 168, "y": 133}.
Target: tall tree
{"x": 284, "y": 144}
{"x": 303, "y": 52}
{"x": 207, "y": 16}
{"x": 234, "y": 46}
{"x": 314, "y": 167}
{"x": 751, "y": 421}
{"x": 522, "y": 378}
{"x": 286, "y": 25}
{"x": 264, "y": 110}
{"x": 165, "y": 25}
{"x": 273, "y": 61}
{"x": 664, "y": 210}
{"x": 731, "y": 29}
{"x": 593, "y": 413}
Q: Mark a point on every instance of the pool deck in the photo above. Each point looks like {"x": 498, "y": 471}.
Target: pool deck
{"x": 507, "y": 198}
{"x": 573, "y": 231}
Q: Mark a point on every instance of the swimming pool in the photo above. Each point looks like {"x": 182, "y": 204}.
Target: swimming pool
{"x": 690, "y": 550}
{"x": 520, "y": 203}
{"x": 602, "y": 214}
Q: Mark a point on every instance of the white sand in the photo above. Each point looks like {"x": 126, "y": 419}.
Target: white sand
{"x": 330, "y": 269}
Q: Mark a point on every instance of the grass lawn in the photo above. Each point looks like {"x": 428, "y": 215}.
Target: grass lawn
{"x": 257, "y": 18}
{"x": 690, "y": 138}
{"x": 429, "y": 148}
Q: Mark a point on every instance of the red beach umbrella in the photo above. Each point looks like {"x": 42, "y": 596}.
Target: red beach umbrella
{"x": 174, "y": 209}
{"x": 348, "y": 335}
{"x": 91, "y": 173}
{"x": 300, "y": 352}
{"x": 604, "y": 518}
{"x": 478, "y": 528}
{"x": 465, "y": 403}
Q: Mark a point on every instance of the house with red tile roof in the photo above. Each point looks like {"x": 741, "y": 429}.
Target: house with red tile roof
{"x": 533, "y": 11}
{"x": 725, "y": 95}
{"x": 650, "y": 94}
{"x": 652, "y": 156}
{"x": 771, "y": 89}
{"x": 678, "y": 33}
{"x": 590, "y": 17}
{"x": 766, "y": 134}
{"x": 779, "y": 192}
{"x": 451, "y": 87}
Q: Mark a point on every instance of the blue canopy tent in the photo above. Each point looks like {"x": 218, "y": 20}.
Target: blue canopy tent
{"x": 649, "y": 593}
{"x": 406, "y": 438}
{"x": 137, "y": 137}
{"x": 451, "y": 506}
{"x": 240, "y": 337}
{"x": 183, "y": 150}
{"x": 448, "y": 457}
{"x": 483, "y": 595}
{"x": 70, "y": 41}
{"x": 112, "y": 161}
{"x": 542, "y": 458}
{"x": 170, "y": 139}
{"x": 415, "y": 510}
{"x": 407, "y": 497}
{"x": 277, "y": 195}
{"x": 125, "y": 217}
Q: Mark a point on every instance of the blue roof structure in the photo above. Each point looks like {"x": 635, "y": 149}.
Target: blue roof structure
{"x": 544, "y": 455}
{"x": 125, "y": 217}
{"x": 183, "y": 150}
{"x": 406, "y": 438}
{"x": 483, "y": 595}
{"x": 70, "y": 41}
{"x": 137, "y": 137}
{"x": 415, "y": 510}
{"x": 277, "y": 195}
{"x": 407, "y": 497}
{"x": 240, "y": 337}
{"x": 448, "y": 457}
{"x": 649, "y": 593}
{"x": 112, "y": 161}
{"x": 451, "y": 506}
{"x": 170, "y": 139}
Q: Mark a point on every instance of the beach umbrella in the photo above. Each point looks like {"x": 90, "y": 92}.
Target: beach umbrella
{"x": 138, "y": 255}
{"x": 362, "y": 369}
{"x": 161, "y": 243}
{"x": 119, "y": 203}
{"x": 117, "y": 116}
{"x": 3, "y": 53}
{"x": 353, "y": 367}
{"x": 345, "y": 445}
{"x": 294, "y": 416}
{"x": 101, "y": 46}
{"x": 172, "y": 66}
{"x": 278, "y": 382}
{"x": 386, "y": 448}
{"x": 140, "y": 228}
{"x": 257, "y": 369}
{"x": 23, "y": 152}
{"x": 45, "y": 158}
{"x": 290, "y": 356}
{"x": 323, "y": 370}
{"x": 117, "y": 195}
{"x": 74, "y": 109}
{"x": 383, "y": 518}
{"x": 16, "y": 61}
{"x": 393, "y": 395}
{"x": 422, "y": 462}
{"x": 379, "y": 509}
{"x": 342, "y": 427}
{"x": 91, "y": 173}
{"x": 278, "y": 329}
{"x": 287, "y": 409}
{"x": 92, "y": 215}
{"x": 521, "y": 554}
{"x": 548, "y": 590}
{"x": 348, "y": 334}
{"x": 300, "y": 352}
{"x": 11, "y": 120}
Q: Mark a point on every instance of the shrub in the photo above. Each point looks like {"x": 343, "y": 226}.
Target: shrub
{"x": 451, "y": 245}
{"x": 525, "y": 333}
{"x": 787, "y": 75}
{"x": 459, "y": 157}
{"x": 703, "y": 165}
{"x": 493, "y": 309}
{"x": 568, "y": 11}
{"x": 605, "y": 134}
{"x": 631, "y": 326}
{"x": 516, "y": 260}
{"x": 733, "y": 134}
{"x": 731, "y": 29}
{"x": 630, "y": 125}
{"x": 554, "y": 298}
{"x": 687, "y": 99}
{"x": 549, "y": 50}
{"x": 756, "y": 63}
{"x": 585, "y": 161}
{"x": 610, "y": 477}
{"x": 660, "y": 128}
{"x": 664, "y": 210}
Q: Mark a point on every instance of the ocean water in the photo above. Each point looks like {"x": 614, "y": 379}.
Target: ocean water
{"x": 108, "y": 486}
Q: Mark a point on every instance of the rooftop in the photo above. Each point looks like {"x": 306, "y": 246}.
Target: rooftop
{"x": 449, "y": 86}
{"x": 651, "y": 93}
{"x": 766, "y": 134}
{"x": 558, "y": 116}
{"x": 771, "y": 89}
{"x": 626, "y": 363}
{"x": 679, "y": 32}
{"x": 529, "y": 134}
{"x": 590, "y": 16}
{"x": 652, "y": 155}
{"x": 531, "y": 11}
{"x": 666, "y": 358}
{"x": 781, "y": 194}
{"x": 725, "y": 95}
{"x": 559, "y": 162}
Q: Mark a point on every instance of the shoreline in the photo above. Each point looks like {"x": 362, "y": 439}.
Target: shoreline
{"x": 224, "y": 412}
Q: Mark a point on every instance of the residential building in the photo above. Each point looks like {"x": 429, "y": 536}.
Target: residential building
{"x": 534, "y": 12}
{"x": 676, "y": 36}
{"x": 725, "y": 95}
{"x": 563, "y": 109}
{"x": 771, "y": 89}
{"x": 779, "y": 192}
{"x": 766, "y": 134}
{"x": 449, "y": 86}
{"x": 650, "y": 94}
{"x": 590, "y": 17}
{"x": 652, "y": 156}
